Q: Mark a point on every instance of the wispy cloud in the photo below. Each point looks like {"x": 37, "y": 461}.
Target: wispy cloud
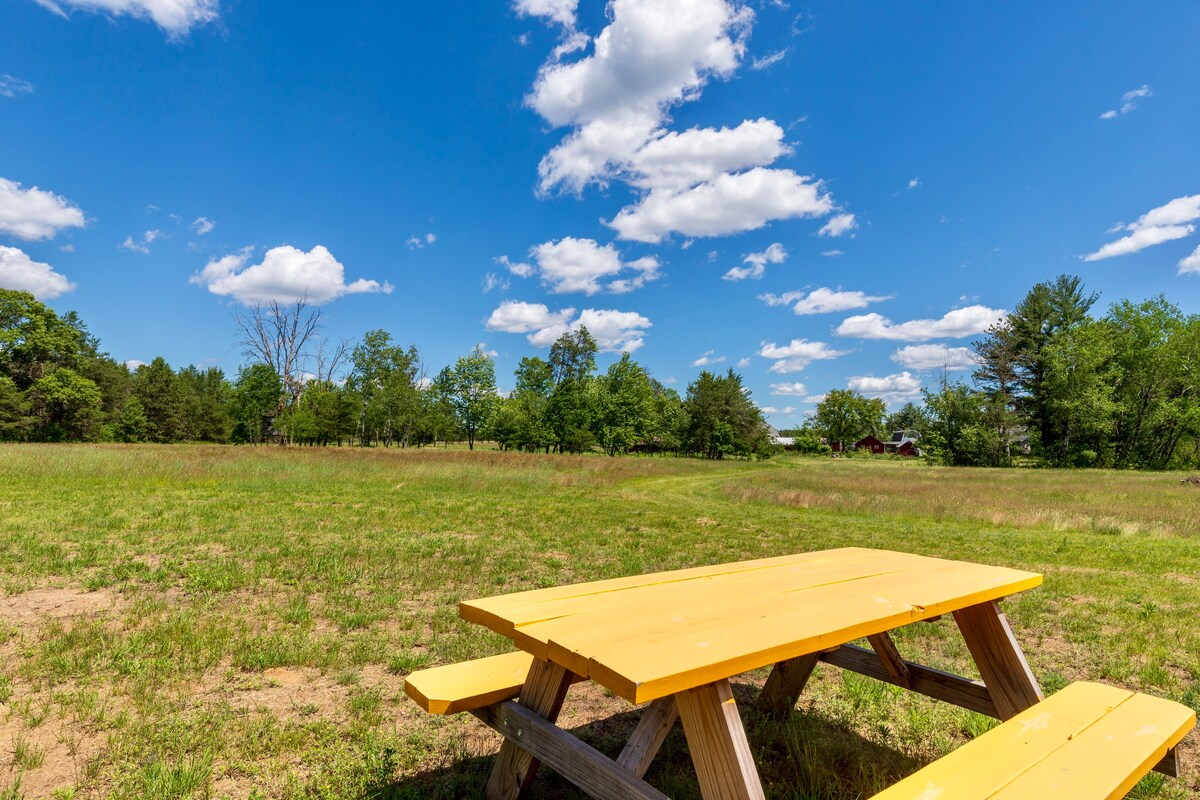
{"x": 1129, "y": 102}
{"x": 1163, "y": 224}
{"x": 11, "y": 86}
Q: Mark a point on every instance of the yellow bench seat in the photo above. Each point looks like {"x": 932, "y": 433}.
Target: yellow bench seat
{"x": 1087, "y": 742}
{"x": 469, "y": 685}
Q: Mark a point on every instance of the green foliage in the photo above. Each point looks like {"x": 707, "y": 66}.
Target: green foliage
{"x": 473, "y": 393}
{"x": 846, "y": 416}
{"x": 721, "y": 419}
{"x": 958, "y": 433}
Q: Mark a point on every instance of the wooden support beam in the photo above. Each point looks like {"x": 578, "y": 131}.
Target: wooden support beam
{"x": 1169, "y": 766}
{"x": 1001, "y": 663}
{"x": 717, "y": 741}
{"x": 543, "y": 694}
{"x": 934, "y": 683}
{"x": 584, "y": 766}
{"x": 785, "y": 683}
{"x": 657, "y": 721}
{"x": 895, "y": 665}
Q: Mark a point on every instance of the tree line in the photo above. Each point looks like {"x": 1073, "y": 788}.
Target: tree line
{"x": 1054, "y": 385}
{"x": 299, "y": 388}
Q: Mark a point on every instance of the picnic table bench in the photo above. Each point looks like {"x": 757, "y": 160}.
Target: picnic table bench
{"x": 674, "y": 639}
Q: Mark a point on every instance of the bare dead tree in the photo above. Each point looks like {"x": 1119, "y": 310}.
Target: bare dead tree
{"x": 277, "y": 335}
{"x": 330, "y": 358}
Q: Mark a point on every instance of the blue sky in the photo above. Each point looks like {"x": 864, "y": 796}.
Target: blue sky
{"x": 818, "y": 195}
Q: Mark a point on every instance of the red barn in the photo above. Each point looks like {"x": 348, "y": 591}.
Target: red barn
{"x": 908, "y": 450}
{"x": 871, "y": 444}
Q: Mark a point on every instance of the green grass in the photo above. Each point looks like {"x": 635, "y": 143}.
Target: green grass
{"x": 236, "y": 622}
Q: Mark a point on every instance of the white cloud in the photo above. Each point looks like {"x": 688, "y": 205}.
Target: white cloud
{"x": 892, "y": 389}
{"x": 133, "y": 363}
{"x": 142, "y": 245}
{"x": 520, "y": 269}
{"x": 708, "y": 359}
{"x": 954, "y": 325}
{"x": 769, "y": 60}
{"x": 652, "y": 56}
{"x": 483, "y": 348}
{"x": 614, "y": 331}
{"x": 1190, "y": 264}
{"x": 1129, "y": 101}
{"x": 839, "y": 225}
{"x": 33, "y": 213}
{"x": 935, "y": 356}
{"x": 914, "y": 183}
{"x": 774, "y": 254}
{"x": 578, "y": 265}
{"x": 773, "y": 410}
{"x": 1158, "y": 225}
{"x": 11, "y": 86}
{"x": 203, "y": 226}
{"x": 789, "y": 389}
{"x": 560, "y": 11}
{"x": 730, "y": 203}
{"x": 285, "y": 274}
{"x": 494, "y": 281}
{"x": 415, "y": 242}
{"x": 19, "y": 271}
{"x": 176, "y": 17}
{"x": 822, "y": 301}
{"x": 832, "y": 253}
{"x": 797, "y": 354}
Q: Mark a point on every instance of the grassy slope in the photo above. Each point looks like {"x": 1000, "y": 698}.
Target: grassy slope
{"x": 237, "y": 622}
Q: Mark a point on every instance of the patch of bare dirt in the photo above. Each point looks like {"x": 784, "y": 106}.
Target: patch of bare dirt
{"x": 65, "y": 748}
{"x": 41, "y": 604}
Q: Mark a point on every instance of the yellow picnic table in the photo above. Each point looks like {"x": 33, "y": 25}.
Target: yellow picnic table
{"x": 676, "y": 638}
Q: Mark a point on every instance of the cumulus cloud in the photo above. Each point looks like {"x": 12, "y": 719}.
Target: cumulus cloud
{"x": 797, "y": 354}
{"x": 1129, "y": 102}
{"x": 11, "y": 86}
{"x": 560, "y": 11}
{"x": 822, "y": 301}
{"x": 839, "y": 225}
{"x": 652, "y": 56}
{"x": 203, "y": 226}
{"x": 935, "y": 356}
{"x": 176, "y": 17}
{"x": 1190, "y": 264}
{"x": 285, "y": 274}
{"x": 520, "y": 269}
{"x": 19, "y": 271}
{"x": 774, "y": 254}
{"x": 773, "y": 410}
{"x": 954, "y": 325}
{"x": 614, "y": 331}
{"x": 133, "y": 364}
{"x": 1158, "y": 225}
{"x": 892, "y": 389}
{"x": 730, "y": 203}
{"x": 579, "y": 265}
{"x": 708, "y": 359}
{"x": 789, "y": 389}
{"x": 32, "y": 213}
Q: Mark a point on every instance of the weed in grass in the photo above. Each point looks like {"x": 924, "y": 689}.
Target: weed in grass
{"x": 6, "y": 690}
{"x": 13, "y": 790}
{"x": 161, "y": 780}
{"x": 409, "y": 661}
{"x": 27, "y": 755}
{"x": 976, "y": 725}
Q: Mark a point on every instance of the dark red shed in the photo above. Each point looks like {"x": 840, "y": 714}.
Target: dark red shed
{"x": 870, "y": 444}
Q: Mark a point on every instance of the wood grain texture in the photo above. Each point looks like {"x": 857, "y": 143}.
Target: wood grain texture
{"x": 656, "y": 722}
{"x": 1001, "y": 662}
{"x": 717, "y": 741}
{"x": 930, "y": 682}
{"x": 892, "y": 661}
{"x": 542, "y": 694}
{"x": 785, "y": 683}
{"x": 584, "y": 766}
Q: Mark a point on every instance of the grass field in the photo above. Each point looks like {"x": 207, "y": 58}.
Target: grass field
{"x": 237, "y": 622}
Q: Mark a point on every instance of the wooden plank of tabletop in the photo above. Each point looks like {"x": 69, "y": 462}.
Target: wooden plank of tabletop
{"x": 659, "y": 651}
{"x": 504, "y": 612}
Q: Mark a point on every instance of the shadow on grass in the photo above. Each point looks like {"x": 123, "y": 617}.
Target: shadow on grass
{"x": 805, "y": 757}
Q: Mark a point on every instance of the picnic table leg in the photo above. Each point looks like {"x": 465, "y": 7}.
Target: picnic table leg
{"x": 647, "y": 738}
{"x": 543, "y": 693}
{"x": 785, "y": 683}
{"x": 999, "y": 658}
{"x": 717, "y": 741}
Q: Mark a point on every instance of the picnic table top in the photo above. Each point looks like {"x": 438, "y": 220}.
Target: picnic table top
{"x": 649, "y": 636}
